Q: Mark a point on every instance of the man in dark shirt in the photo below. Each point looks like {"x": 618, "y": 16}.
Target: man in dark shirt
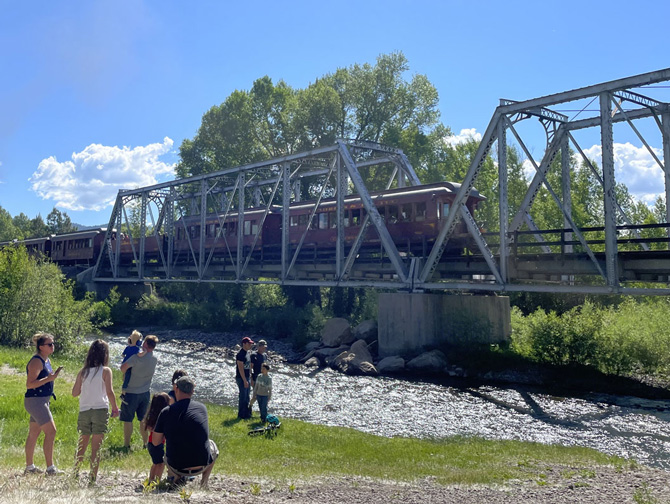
{"x": 242, "y": 372}
{"x": 188, "y": 451}
{"x": 257, "y": 359}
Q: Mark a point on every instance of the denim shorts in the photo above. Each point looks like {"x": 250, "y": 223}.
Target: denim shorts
{"x": 93, "y": 421}
{"x": 134, "y": 405}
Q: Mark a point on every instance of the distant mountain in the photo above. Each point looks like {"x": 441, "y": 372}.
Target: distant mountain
{"x": 82, "y": 227}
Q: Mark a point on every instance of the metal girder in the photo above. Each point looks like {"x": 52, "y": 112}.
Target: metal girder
{"x": 461, "y": 196}
{"x": 503, "y": 204}
{"x": 371, "y": 209}
{"x": 607, "y": 142}
{"x": 536, "y": 183}
{"x": 479, "y": 239}
{"x": 589, "y": 91}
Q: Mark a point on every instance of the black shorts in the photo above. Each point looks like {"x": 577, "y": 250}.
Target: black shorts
{"x": 157, "y": 452}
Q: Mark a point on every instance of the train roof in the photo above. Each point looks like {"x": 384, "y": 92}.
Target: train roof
{"x": 84, "y": 233}
{"x": 448, "y": 187}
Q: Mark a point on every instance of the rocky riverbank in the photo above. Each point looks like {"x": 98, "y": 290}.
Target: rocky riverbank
{"x": 546, "y": 485}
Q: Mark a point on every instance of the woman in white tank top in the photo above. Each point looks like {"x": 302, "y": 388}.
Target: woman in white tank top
{"x": 94, "y": 388}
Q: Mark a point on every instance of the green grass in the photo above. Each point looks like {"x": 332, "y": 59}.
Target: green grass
{"x": 299, "y": 452}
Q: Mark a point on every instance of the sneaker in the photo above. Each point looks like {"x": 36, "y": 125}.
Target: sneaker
{"x": 32, "y": 470}
{"x": 53, "y": 471}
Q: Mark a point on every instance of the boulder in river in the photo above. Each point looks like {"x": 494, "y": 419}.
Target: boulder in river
{"x": 429, "y": 362}
{"x": 356, "y": 361}
{"x": 392, "y": 364}
{"x": 336, "y": 332}
{"x": 366, "y": 330}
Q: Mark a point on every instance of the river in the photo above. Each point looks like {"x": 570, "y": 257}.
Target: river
{"x": 628, "y": 427}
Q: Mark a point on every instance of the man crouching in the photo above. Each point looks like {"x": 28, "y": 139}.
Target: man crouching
{"x": 188, "y": 451}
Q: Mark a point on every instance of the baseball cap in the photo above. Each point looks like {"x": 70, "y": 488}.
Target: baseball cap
{"x": 185, "y": 384}
{"x": 247, "y": 339}
{"x": 262, "y": 343}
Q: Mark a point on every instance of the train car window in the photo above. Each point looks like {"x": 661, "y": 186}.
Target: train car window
{"x": 195, "y": 231}
{"x": 293, "y": 221}
{"x": 356, "y": 217}
{"x": 247, "y": 228}
{"x": 420, "y": 213}
{"x": 392, "y": 213}
{"x": 323, "y": 220}
{"x": 254, "y": 227}
{"x": 445, "y": 209}
{"x": 382, "y": 212}
{"x": 302, "y": 219}
{"x": 406, "y": 212}
{"x": 347, "y": 219}
{"x": 332, "y": 219}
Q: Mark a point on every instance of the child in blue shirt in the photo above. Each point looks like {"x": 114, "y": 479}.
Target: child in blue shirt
{"x": 134, "y": 346}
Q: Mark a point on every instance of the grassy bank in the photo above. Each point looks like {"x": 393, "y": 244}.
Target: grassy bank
{"x": 301, "y": 451}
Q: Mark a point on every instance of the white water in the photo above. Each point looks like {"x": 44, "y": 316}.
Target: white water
{"x": 397, "y": 407}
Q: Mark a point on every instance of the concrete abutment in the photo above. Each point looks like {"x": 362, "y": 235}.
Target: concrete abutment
{"x": 410, "y": 323}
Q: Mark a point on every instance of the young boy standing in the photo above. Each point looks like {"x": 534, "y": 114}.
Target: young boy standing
{"x": 263, "y": 391}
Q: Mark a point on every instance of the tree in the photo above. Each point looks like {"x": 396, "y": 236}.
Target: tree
{"x": 59, "y": 222}
{"x": 7, "y": 229}
{"x": 363, "y": 102}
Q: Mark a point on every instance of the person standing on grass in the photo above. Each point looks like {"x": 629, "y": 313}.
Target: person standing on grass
{"x": 242, "y": 376}
{"x": 262, "y": 391}
{"x": 93, "y": 386}
{"x": 40, "y": 388}
{"x": 257, "y": 359}
{"x": 159, "y": 402}
{"x": 135, "y": 400}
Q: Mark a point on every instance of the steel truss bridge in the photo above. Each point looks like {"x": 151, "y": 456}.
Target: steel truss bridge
{"x": 516, "y": 257}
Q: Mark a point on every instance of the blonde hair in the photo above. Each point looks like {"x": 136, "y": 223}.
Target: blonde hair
{"x": 40, "y": 337}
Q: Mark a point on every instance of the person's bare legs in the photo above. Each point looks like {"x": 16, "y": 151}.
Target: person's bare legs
{"x": 144, "y": 433}
{"x": 127, "y": 433}
{"x": 33, "y": 433}
{"x": 156, "y": 472}
{"x": 96, "y": 454}
{"x": 49, "y": 440}
{"x": 81, "y": 450}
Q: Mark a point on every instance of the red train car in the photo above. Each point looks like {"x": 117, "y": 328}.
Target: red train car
{"x": 413, "y": 215}
{"x": 80, "y": 247}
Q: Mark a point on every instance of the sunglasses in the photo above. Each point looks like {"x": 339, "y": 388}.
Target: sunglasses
{"x": 47, "y": 344}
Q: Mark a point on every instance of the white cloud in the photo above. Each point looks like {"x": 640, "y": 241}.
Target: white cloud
{"x": 93, "y": 178}
{"x": 636, "y": 168}
{"x": 464, "y": 136}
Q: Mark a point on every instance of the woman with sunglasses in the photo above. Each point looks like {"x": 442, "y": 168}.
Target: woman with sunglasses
{"x": 40, "y": 389}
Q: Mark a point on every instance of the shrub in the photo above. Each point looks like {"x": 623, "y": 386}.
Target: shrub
{"x": 34, "y": 296}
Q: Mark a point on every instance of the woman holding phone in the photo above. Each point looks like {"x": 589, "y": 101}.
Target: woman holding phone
{"x": 40, "y": 389}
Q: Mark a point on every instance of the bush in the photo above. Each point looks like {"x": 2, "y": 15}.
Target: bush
{"x": 34, "y": 296}
{"x": 633, "y": 336}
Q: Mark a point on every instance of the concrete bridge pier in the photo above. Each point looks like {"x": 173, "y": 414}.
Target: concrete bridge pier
{"x": 410, "y": 323}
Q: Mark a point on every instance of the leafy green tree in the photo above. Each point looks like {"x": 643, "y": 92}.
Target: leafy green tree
{"x": 59, "y": 222}
{"x": 363, "y": 102}
{"x": 7, "y": 229}
{"x": 34, "y": 296}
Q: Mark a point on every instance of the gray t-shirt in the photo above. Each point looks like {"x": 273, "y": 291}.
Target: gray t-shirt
{"x": 143, "y": 372}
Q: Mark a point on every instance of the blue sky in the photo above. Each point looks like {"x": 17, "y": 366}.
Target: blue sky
{"x": 98, "y": 96}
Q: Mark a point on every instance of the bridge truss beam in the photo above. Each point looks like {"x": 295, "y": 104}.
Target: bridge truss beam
{"x": 500, "y": 261}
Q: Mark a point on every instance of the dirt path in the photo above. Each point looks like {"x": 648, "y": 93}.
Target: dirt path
{"x": 559, "y": 485}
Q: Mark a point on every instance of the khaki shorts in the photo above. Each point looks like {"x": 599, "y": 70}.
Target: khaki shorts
{"x": 93, "y": 421}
